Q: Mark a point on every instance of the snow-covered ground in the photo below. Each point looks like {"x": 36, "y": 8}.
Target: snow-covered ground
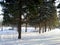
{"x": 9, "y": 37}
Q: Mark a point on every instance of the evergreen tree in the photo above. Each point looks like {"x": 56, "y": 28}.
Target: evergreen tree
{"x": 16, "y": 8}
{"x": 39, "y": 13}
{"x": 45, "y": 15}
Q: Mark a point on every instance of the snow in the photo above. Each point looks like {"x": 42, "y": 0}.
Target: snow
{"x": 10, "y": 37}
{"x": 29, "y": 29}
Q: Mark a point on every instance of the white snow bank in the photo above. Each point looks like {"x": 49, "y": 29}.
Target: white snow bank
{"x": 30, "y": 38}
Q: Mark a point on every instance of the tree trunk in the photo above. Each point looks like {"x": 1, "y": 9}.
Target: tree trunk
{"x": 45, "y": 27}
{"x": 26, "y": 28}
{"x": 49, "y": 26}
{"x": 43, "y": 30}
{"x": 35, "y": 27}
{"x": 39, "y": 28}
{"x": 19, "y": 19}
{"x": 19, "y": 29}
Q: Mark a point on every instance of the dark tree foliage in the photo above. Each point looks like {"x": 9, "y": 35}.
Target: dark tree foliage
{"x": 58, "y": 6}
{"x": 16, "y": 8}
{"x": 45, "y": 14}
{"x": 38, "y": 13}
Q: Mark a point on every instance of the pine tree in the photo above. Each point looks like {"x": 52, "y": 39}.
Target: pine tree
{"x": 17, "y": 8}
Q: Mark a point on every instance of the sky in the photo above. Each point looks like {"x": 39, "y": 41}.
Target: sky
{"x": 1, "y": 16}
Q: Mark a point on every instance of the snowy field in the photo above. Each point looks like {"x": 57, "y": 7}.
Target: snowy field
{"x": 9, "y": 37}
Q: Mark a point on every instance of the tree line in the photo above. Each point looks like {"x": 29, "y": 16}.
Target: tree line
{"x": 37, "y": 13}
